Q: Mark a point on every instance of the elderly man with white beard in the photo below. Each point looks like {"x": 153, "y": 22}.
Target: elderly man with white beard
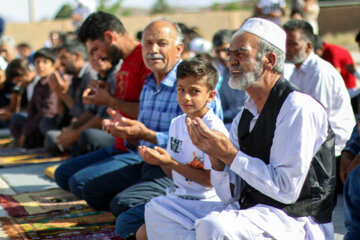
{"x": 278, "y": 165}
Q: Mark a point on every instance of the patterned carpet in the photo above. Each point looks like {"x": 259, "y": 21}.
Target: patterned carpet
{"x": 54, "y": 214}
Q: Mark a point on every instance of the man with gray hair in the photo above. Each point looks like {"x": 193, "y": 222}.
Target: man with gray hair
{"x": 8, "y": 48}
{"x": 318, "y": 78}
{"x": 276, "y": 173}
{"x": 125, "y": 189}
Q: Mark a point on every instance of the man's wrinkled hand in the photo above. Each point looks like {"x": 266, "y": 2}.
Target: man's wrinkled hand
{"x": 211, "y": 142}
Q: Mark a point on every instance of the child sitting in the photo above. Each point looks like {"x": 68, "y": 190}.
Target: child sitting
{"x": 19, "y": 74}
{"x": 193, "y": 196}
{"x": 43, "y": 103}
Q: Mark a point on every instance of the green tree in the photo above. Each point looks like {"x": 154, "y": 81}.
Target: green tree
{"x": 126, "y": 13}
{"x": 106, "y": 6}
{"x": 64, "y": 12}
{"x": 160, "y": 6}
{"x": 233, "y": 6}
{"x": 215, "y": 6}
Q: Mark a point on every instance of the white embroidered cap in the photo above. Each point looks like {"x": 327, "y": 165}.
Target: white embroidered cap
{"x": 200, "y": 45}
{"x": 266, "y": 30}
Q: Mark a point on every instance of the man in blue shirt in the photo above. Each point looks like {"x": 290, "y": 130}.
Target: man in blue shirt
{"x": 124, "y": 190}
{"x": 350, "y": 175}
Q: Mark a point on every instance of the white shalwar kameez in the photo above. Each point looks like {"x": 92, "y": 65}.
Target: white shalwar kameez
{"x": 173, "y": 216}
{"x": 301, "y": 127}
{"x": 322, "y": 81}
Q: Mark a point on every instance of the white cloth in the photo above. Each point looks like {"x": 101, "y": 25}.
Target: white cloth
{"x": 266, "y": 30}
{"x": 184, "y": 151}
{"x": 321, "y": 80}
{"x": 301, "y": 127}
{"x": 268, "y": 6}
{"x": 170, "y": 216}
{"x": 31, "y": 86}
{"x": 3, "y": 64}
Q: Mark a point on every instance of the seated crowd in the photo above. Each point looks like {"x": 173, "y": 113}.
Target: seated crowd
{"x": 252, "y": 138}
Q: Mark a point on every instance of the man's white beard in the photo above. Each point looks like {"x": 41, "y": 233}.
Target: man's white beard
{"x": 246, "y": 80}
{"x": 298, "y": 58}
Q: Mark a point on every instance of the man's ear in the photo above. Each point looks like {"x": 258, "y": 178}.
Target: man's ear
{"x": 180, "y": 48}
{"x": 109, "y": 37}
{"x": 309, "y": 47}
{"x": 211, "y": 96}
{"x": 270, "y": 60}
{"x": 78, "y": 56}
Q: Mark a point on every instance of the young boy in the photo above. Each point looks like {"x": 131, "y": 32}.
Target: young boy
{"x": 19, "y": 75}
{"x": 43, "y": 103}
{"x": 193, "y": 197}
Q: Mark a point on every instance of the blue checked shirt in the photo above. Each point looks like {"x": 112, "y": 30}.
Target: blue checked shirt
{"x": 353, "y": 145}
{"x": 159, "y": 105}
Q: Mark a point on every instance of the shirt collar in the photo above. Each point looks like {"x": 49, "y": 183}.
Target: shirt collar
{"x": 251, "y": 106}
{"x": 83, "y": 69}
{"x": 169, "y": 80}
{"x": 307, "y": 64}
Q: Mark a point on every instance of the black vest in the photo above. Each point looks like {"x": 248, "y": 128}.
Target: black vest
{"x": 317, "y": 194}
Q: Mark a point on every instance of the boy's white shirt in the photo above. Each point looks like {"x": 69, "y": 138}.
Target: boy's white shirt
{"x": 181, "y": 149}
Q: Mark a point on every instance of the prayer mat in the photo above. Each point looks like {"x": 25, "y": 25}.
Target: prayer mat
{"x": 5, "y": 141}
{"x": 76, "y": 223}
{"x": 20, "y": 151}
{"x": 50, "y": 171}
{"x": 31, "y": 158}
{"x": 38, "y": 202}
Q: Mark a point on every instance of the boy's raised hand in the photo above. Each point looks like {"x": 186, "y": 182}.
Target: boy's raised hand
{"x": 59, "y": 84}
{"x": 157, "y": 156}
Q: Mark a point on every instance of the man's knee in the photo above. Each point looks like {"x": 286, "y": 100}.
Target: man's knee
{"x": 76, "y": 184}
{"x": 118, "y": 205}
{"x": 208, "y": 227}
{"x": 96, "y": 194}
{"x": 61, "y": 178}
{"x": 92, "y": 139}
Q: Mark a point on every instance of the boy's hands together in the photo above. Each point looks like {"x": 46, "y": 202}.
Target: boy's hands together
{"x": 157, "y": 156}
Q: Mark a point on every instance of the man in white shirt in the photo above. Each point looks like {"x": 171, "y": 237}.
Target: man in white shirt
{"x": 318, "y": 78}
{"x": 278, "y": 164}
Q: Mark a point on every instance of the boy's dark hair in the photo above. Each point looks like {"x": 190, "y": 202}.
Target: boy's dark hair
{"x": 357, "y": 38}
{"x": 24, "y": 45}
{"x": 96, "y": 24}
{"x": 198, "y": 67}
{"x": 207, "y": 56}
{"x": 17, "y": 67}
{"x": 48, "y": 53}
{"x": 305, "y": 28}
{"x": 296, "y": 11}
{"x": 74, "y": 46}
{"x": 221, "y": 37}
{"x": 139, "y": 35}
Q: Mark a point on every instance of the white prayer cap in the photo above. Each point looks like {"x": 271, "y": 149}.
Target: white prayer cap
{"x": 200, "y": 45}
{"x": 266, "y": 30}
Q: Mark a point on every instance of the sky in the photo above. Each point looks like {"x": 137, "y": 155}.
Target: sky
{"x": 18, "y": 10}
